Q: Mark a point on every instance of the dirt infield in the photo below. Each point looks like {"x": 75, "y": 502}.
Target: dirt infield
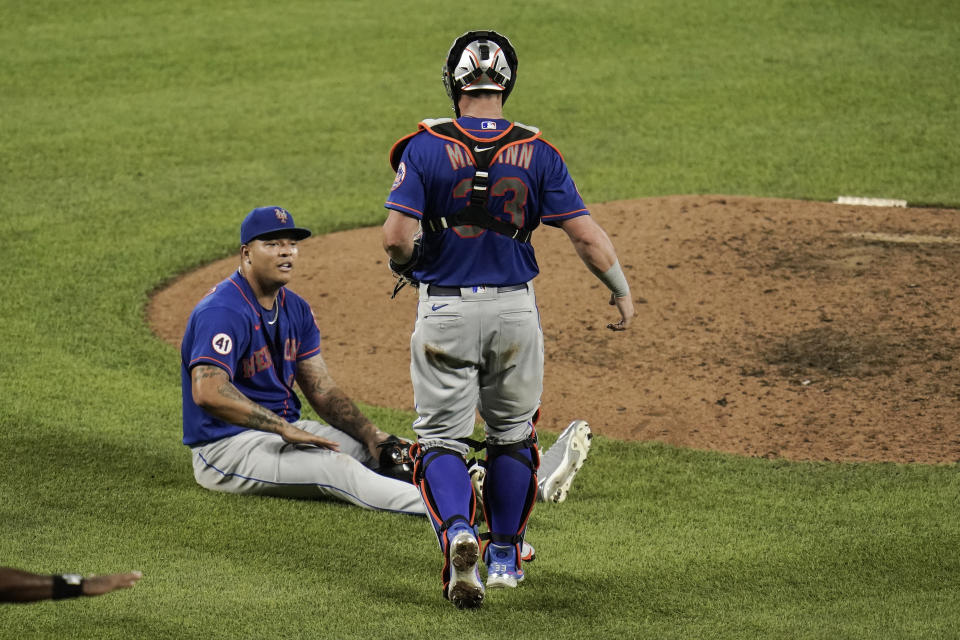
{"x": 773, "y": 328}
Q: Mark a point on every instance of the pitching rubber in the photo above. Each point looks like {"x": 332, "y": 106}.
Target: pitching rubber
{"x": 465, "y": 590}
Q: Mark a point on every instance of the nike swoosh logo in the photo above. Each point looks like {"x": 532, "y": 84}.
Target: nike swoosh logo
{"x": 437, "y": 306}
{"x": 479, "y": 149}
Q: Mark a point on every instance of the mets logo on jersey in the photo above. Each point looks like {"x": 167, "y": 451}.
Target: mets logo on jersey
{"x": 401, "y": 174}
{"x": 281, "y": 215}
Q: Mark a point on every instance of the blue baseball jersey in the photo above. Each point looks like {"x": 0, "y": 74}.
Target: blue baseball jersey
{"x": 227, "y": 329}
{"x": 528, "y": 184}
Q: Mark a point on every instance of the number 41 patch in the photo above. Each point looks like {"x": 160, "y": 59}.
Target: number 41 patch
{"x": 222, "y": 344}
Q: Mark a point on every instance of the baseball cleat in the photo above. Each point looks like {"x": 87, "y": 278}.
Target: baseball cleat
{"x": 477, "y": 474}
{"x": 465, "y": 589}
{"x": 568, "y": 454}
{"x": 502, "y": 571}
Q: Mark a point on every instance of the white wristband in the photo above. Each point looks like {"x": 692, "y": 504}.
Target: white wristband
{"x": 615, "y": 281}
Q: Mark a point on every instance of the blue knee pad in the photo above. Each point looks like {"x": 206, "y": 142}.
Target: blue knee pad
{"x": 510, "y": 491}
{"x": 443, "y": 480}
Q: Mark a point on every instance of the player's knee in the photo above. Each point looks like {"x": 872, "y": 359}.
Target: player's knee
{"x": 508, "y": 433}
{"x": 425, "y": 457}
{"x": 460, "y": 446}
{"x": 524, "y": 450}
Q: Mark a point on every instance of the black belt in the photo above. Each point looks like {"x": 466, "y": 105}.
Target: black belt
{"x": 436, "y": 290}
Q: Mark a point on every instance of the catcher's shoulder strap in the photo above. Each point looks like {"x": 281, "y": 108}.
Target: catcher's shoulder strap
{"x": 396, "y": 151}
{"x": 483, "y": 153}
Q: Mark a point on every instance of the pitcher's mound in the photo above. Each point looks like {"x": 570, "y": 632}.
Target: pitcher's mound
{"x": 775, "y": 328}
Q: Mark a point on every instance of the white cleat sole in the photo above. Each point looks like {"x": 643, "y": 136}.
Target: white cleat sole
{"x": 555, "y": 488}
{"x": 465, "y": 589}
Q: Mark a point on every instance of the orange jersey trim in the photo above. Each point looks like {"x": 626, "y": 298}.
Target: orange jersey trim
{"x": 307, "y": 354}
{"x": 243, "y": 294}
{"x": 552, "y": 147}
{"x": 560, "y": 215}
{"x": 222, "y": 365}
{"x": 405, "y": 209}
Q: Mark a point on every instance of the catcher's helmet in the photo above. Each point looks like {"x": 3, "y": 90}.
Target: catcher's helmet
{"x": 479, "y": 61}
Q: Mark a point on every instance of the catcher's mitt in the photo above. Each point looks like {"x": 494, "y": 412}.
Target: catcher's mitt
{"x": 395, "y": 460}
{"x": 404, "y": 272}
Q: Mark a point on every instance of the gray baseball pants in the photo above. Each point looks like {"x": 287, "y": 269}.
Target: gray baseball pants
{"x": 481, "y": 350}
{"x": 260, "y": 463}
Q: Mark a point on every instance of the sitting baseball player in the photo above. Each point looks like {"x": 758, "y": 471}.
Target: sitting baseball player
{"x": 247, "y": 342}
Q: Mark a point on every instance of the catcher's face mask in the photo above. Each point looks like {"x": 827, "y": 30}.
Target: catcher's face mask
{"x": 479, "y": 60}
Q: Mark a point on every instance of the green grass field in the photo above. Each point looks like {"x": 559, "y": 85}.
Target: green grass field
{"x": 135, "y": 135}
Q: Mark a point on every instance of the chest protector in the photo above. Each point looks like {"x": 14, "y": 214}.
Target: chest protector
{"x": 483, "y": 152}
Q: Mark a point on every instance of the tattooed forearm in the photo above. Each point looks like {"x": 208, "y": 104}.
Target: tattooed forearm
{"x": 331, "y": 403}
{"x": 319, "y": 386}
{"x": 313, "y": 377}
{"x": 340, "y": 411}
{"x": 264, "y": 420}
{"x": 258, "y": 417}
{"x": 214, "y": 392}
{"x": 230, "y": 392}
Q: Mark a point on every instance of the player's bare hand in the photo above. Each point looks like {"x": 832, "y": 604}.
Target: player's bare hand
{"x": 625, "y": 307}
{"x": 295, "y": 435}
{"x": 99, "y": 585}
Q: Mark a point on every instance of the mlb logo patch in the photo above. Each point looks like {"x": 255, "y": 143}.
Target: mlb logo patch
{"x": 488, "y": 124}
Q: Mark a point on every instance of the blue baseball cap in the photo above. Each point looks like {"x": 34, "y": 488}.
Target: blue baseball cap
{"x": 264, "y": 220}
